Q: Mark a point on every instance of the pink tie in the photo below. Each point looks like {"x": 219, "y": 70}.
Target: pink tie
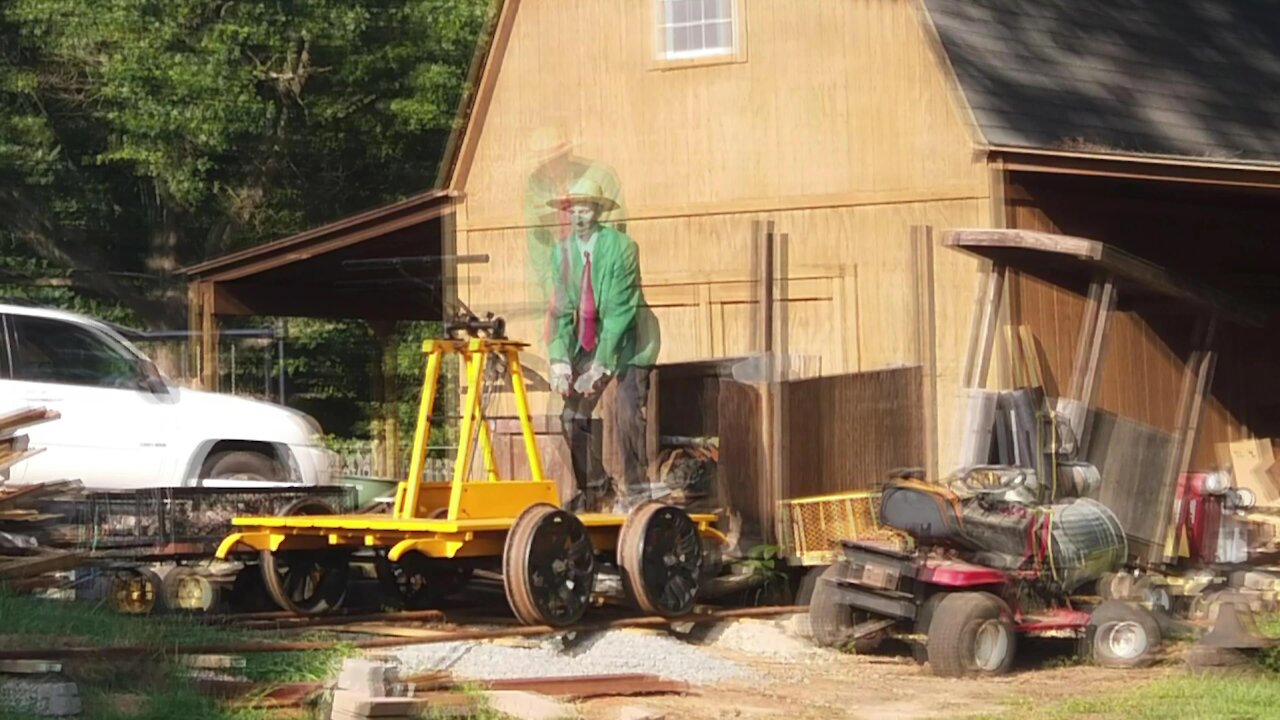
{"x": 587, "y": 308}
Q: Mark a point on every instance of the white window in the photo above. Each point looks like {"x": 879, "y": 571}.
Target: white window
{"x": 697, "y": 28}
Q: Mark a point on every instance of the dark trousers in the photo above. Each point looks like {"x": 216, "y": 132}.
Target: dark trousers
{"x": 586, "y": 446}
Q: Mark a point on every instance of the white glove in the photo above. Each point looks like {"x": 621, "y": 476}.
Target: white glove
{"x": 560, "y": 375}
{"x": 587, "y": 382}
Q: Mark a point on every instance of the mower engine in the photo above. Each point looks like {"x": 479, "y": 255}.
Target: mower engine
{"x": 1074, "y": 542}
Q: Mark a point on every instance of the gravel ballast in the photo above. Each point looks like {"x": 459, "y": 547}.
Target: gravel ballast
{"x": 606, "y": 653}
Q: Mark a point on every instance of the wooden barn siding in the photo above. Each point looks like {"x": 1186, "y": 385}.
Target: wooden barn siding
{"x": 852, "y": 300}
{"x": 1202, "y": 233}
{"x": 844, "y": 140}
{"x": 859, "y": 105}
{"x": 1144, "y": 360}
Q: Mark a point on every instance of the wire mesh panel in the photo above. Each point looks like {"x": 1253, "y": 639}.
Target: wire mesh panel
{"x": 812, "y": 528}
{"x": 181, "y": 515}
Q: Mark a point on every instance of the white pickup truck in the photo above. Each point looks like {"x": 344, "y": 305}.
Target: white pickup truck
{"x": 126, "y": 426}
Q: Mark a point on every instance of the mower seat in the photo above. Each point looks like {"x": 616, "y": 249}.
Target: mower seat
{"x": 929, "y": 513}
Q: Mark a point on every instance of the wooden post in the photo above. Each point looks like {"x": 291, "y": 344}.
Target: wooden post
{"x": 195, "y": 319}
{"x": 982, "y": 333}
{"x": 763, "y": 241}
{"x": 1089, "y": 354}
{"x": 386, "y": 397}
{"x": 926, "y": 341}
{"x": 977, "y": 361}
{"x": 1196, "y": 381}
{"x": 391, "y": 401}
{"x": 208, "y": 337}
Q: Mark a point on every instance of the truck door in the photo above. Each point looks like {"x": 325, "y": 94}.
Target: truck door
{"x": 113, "y": 432}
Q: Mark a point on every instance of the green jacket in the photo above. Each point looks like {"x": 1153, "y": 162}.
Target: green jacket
{"x": 626, "y": 329}
{"x": 545, "y": 223}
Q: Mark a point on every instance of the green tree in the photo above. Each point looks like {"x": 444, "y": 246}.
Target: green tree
{"x": 137, "y": 136}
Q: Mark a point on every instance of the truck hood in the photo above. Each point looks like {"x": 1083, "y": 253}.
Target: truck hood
{"x": 213, "y": 415}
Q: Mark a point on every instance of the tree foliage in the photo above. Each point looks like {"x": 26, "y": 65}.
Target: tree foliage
{"x": 137, "y": 136}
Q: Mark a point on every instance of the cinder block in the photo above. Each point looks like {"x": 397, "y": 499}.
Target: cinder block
{"x": 363, "y": 677}
{"x": 47, "y": 697}
{"x": 30, "y": 667}
{"x": 365, "y": 706}
{"x": 212, "y": 662}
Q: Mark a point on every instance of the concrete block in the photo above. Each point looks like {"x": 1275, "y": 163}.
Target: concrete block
{"x": 212, "y": 662}
{"x": 361, "y": 705}
{"x": 43, "y": 697}
{"x": 364, "y": 677}
{"x": 529, "y": 706}
{"x": 30, "y": 667}
{"x": 639, "y": 712}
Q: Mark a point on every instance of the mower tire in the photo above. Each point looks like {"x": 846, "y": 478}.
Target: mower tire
{"x": 1153, "y": 592}
{"x": 1122, "y": 635}
{"x": 1104, "y": 585}
{"x": 920, "y": 649}
{"x": 971, "y": 633}
{"x": 831, "y": 621}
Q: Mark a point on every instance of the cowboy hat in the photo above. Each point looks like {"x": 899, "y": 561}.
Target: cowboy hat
{"x": 584, "y": 190}
{"x": 548, "y": 142}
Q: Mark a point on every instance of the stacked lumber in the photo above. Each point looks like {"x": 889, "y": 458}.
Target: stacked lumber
{"x": 25, "y": 525}
{"x": 28, "y": 513}
{"x": 13, "y": 446}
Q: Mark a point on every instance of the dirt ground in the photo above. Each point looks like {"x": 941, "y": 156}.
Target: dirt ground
{"x": 872, "y": 687}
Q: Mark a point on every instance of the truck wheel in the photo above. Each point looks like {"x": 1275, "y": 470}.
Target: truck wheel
{"x": 832, "y": 621}
{"x": 971, "y": 633}
{"x": 1122, "y": 635}
{"x": 241, "y": 465}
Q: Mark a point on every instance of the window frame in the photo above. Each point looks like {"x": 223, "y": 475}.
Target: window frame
{"x": 15, "y": 336}
{"x": 659, "y": 58}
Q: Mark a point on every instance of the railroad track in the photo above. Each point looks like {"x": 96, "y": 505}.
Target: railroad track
{"x": 446, "y": 634}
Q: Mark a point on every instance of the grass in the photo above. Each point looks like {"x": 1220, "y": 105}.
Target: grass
{"x": 1184, "y": 696}
{"x": 144, "y": 688}
{"x": 480, "y": 709}
{"x": 24, "y": 618}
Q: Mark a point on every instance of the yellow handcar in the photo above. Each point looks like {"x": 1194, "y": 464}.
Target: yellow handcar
{"x": 438, "y": 531}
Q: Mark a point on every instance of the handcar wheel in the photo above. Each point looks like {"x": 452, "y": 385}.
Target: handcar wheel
{"x": 416, "y": 583}
{"x": 548, "y": 567}
{"x": 660, "y": 555}
{"x": 306, "y": 582}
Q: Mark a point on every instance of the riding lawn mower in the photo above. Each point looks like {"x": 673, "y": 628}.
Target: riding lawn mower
{"x": 991, "y": 563}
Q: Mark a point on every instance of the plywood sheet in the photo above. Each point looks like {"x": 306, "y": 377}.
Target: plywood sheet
{"x": 846, "y": 432}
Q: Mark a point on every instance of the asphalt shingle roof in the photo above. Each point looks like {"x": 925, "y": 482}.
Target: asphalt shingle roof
{"x": 1191, "y": 78}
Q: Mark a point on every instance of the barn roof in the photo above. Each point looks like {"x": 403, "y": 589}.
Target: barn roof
{"x": 1184, "y": 78}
